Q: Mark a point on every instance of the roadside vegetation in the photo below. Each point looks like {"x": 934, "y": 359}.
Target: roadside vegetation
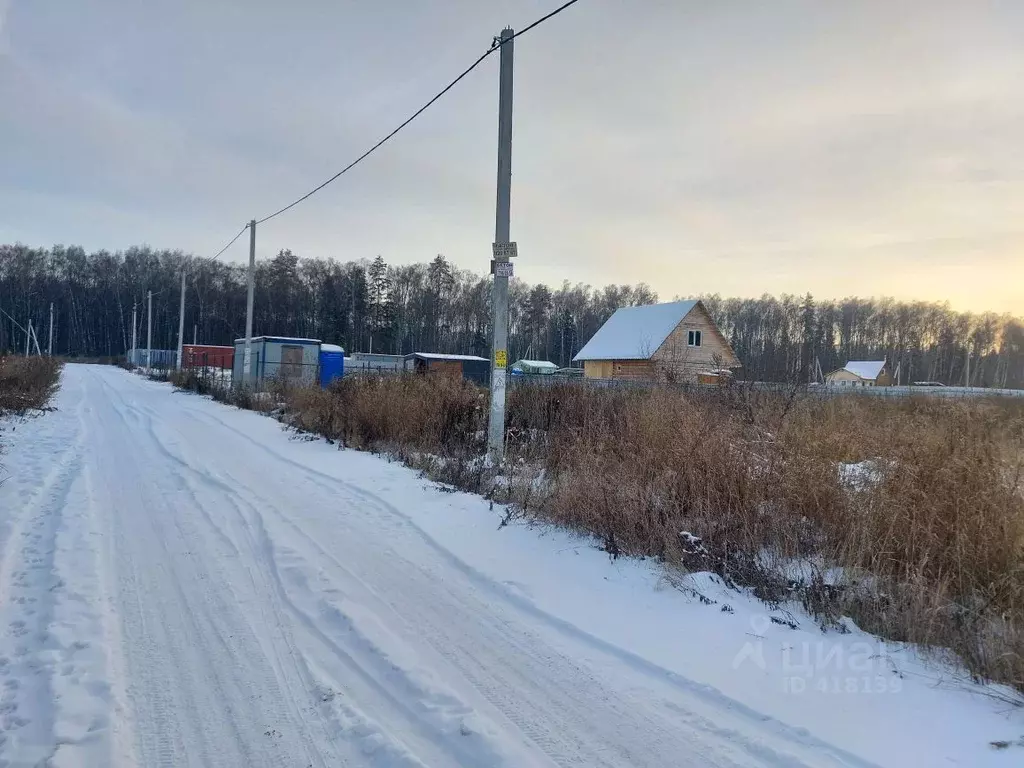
{"x": 27, "y": 383}
{"x": 905, "y": 515}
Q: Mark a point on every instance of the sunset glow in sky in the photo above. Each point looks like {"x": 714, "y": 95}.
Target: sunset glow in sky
{"x": 739, "y": 147}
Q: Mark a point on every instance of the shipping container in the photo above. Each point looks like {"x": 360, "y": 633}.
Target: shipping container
{"x": 207, "y": 356}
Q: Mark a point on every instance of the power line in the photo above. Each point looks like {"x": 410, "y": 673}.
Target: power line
{"x": 230, "y": 243}
{"x": 495, "y": 45}
{"x": 538, "y": 22}
{"x": 15, "y": 322}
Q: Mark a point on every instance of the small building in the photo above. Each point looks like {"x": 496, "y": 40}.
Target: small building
{"x": 296, "y": 360}
{"x": 860, "y": 373}
{"x": 534, "y": 367}
{"x": 332, "y": 363}
{"x": 469, "y": 367}
{"x": 677, "y": 342}
{"x": 207, "y": 356}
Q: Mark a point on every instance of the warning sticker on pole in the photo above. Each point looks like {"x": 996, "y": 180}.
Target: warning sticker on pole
{"x": 501, "y": 359}
{"x": 504, "y": 251}
{"x": 503, "y": 269}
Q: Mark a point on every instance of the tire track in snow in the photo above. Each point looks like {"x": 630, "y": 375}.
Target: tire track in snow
{"x": 542, "y": 731}
{"x": 405, "y": 638}
{"x": 208, "y": 619}
{"x": 713, "y": 703}
{"x": 280, "y": 659}
{"x": 458, "y": 630}
{"x": 363, "y": 670}
{"x": 41, "y": 664}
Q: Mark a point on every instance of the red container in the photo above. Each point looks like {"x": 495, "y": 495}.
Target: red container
{"x": 207, "y": 356}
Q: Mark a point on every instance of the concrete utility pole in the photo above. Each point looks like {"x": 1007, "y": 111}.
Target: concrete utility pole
{"x": 49, "y": 343}
{"x": 967, "y": 366}
{"x": 501, "y": 266}
{"x": 28, "y": 336}
{"x": 247, "y": 357}
{"x": 181, "y": 318}
{"x": 149, "y": 332}
{"x": 134, "y": 329}
{"x": 195, "y": 334}
{"x": 35, "y": 340}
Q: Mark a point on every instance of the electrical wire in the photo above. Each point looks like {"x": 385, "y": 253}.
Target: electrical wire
{"x": 495, "y": 45}
{"x": 230, "y": 243}
{"x": 25, "y": 330}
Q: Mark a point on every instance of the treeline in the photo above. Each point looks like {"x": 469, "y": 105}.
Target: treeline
{"x": 372, "y": 306}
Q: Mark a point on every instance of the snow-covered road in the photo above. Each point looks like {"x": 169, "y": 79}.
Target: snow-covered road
{"x": 180, "y": 586}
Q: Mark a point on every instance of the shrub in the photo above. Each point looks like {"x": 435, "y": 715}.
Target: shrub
{"x": 937, "y": 528}
{"x": 27, "y": 382}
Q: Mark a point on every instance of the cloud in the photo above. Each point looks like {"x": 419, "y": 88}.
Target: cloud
{"x": 698, "y": 147}
{"x": 5, "y": 44}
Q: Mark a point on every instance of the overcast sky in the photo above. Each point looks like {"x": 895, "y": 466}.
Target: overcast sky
{"x": 740, "y": 147}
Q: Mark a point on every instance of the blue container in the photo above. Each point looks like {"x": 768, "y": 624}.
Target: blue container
{"x": 332, "y": 363}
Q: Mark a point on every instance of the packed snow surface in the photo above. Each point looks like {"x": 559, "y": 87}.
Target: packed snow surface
{"x": 183, "y": 584}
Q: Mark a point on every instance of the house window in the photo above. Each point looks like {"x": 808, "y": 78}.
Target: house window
{"x": 693, "y": 338}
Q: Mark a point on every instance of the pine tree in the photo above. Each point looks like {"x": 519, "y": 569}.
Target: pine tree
{"x": 381, "y": 310}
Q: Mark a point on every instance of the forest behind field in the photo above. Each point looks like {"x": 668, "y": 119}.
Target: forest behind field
{"x": 370, "y": 305}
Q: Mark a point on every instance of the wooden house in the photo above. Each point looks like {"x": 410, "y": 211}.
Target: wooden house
{"x": 861, "y": 373}
{"x": 677, "y": 342}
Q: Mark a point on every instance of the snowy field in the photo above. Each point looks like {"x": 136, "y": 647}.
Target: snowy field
{"x": 182, "y": 584}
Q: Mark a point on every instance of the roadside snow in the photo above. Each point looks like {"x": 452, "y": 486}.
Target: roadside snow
{"x": 182, "y": 584}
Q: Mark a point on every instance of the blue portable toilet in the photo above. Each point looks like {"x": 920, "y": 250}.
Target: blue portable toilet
{"x": 332, "y": 363}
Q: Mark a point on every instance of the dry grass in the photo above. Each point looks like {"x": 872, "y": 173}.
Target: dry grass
{"x": 198, "y": 381}
{"x": 928, "y": 537}
{"x": 27, "y": 383}
{"x": 934, "y": 526}
{"x": 401, "y": 414}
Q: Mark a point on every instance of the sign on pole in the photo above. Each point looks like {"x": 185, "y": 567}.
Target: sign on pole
{"x": 501, "y": 359}
{"x": 503, "y": 268}
{"x": 504, "y": 251}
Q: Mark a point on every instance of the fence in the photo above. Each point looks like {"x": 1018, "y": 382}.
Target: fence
{"x": 157, "y": 358}
{"x": 800, "y": 390}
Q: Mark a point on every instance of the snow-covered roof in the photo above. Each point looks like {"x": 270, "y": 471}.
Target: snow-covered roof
{"x": 286, "y": 339}
{"x": 330, "y": 348}
{"x": 635, "y": 333}
{"x": 439, "y": 356}
{"x": 866, "y": 369}
{"x": 536, "y": 363}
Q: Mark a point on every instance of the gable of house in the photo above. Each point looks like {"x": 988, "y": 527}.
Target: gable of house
{"x": 635, "y": 333}
{"x": 676, "y": 341}
{"x": 712, "y": 351}
{"x": 861, "y": 372}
